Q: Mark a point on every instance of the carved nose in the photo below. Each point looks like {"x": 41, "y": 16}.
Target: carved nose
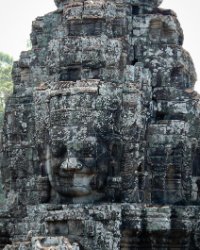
{"x": 71, "y": 164}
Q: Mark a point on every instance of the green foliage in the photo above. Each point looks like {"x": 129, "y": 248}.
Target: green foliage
{"x": 5, "y": 58}
{"x": 5, "y": 79}
{"x": 6, "y": 85}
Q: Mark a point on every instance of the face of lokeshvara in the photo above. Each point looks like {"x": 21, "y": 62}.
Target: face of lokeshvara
{"x": 80, "y": 167}
{"x": 84, "y": 149}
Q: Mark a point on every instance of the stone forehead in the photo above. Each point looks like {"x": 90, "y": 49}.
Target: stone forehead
{"x": 153, "y": 3}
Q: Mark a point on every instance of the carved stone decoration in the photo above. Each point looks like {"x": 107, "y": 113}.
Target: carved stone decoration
{"x": 100, "y": 145}
{"x": 46, "y": 243}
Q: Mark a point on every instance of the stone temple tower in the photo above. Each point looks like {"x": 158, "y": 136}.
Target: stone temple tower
{"x": 100, "y": 147}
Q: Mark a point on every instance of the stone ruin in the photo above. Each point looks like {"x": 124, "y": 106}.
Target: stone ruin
{"x": 100, "y": 146}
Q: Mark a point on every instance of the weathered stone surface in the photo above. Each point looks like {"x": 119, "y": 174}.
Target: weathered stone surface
{"x": 100, "y": 145}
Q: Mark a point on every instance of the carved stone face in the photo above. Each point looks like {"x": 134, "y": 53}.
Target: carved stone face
{"x": 84, "y": 147}
{"x": 79, "y": 168}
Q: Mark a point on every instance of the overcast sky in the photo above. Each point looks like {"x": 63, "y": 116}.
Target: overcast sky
{"x": 16, "y": 17}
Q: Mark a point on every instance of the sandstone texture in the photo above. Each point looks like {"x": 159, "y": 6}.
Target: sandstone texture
{"x": 100, "y": 146}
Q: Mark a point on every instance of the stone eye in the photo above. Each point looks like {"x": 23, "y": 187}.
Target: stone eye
{"x": 59, "y": 151}
{"x": 87, "y": 152}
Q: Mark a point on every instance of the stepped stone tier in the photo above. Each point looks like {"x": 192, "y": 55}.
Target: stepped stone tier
{"x": 100, "y": 145}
